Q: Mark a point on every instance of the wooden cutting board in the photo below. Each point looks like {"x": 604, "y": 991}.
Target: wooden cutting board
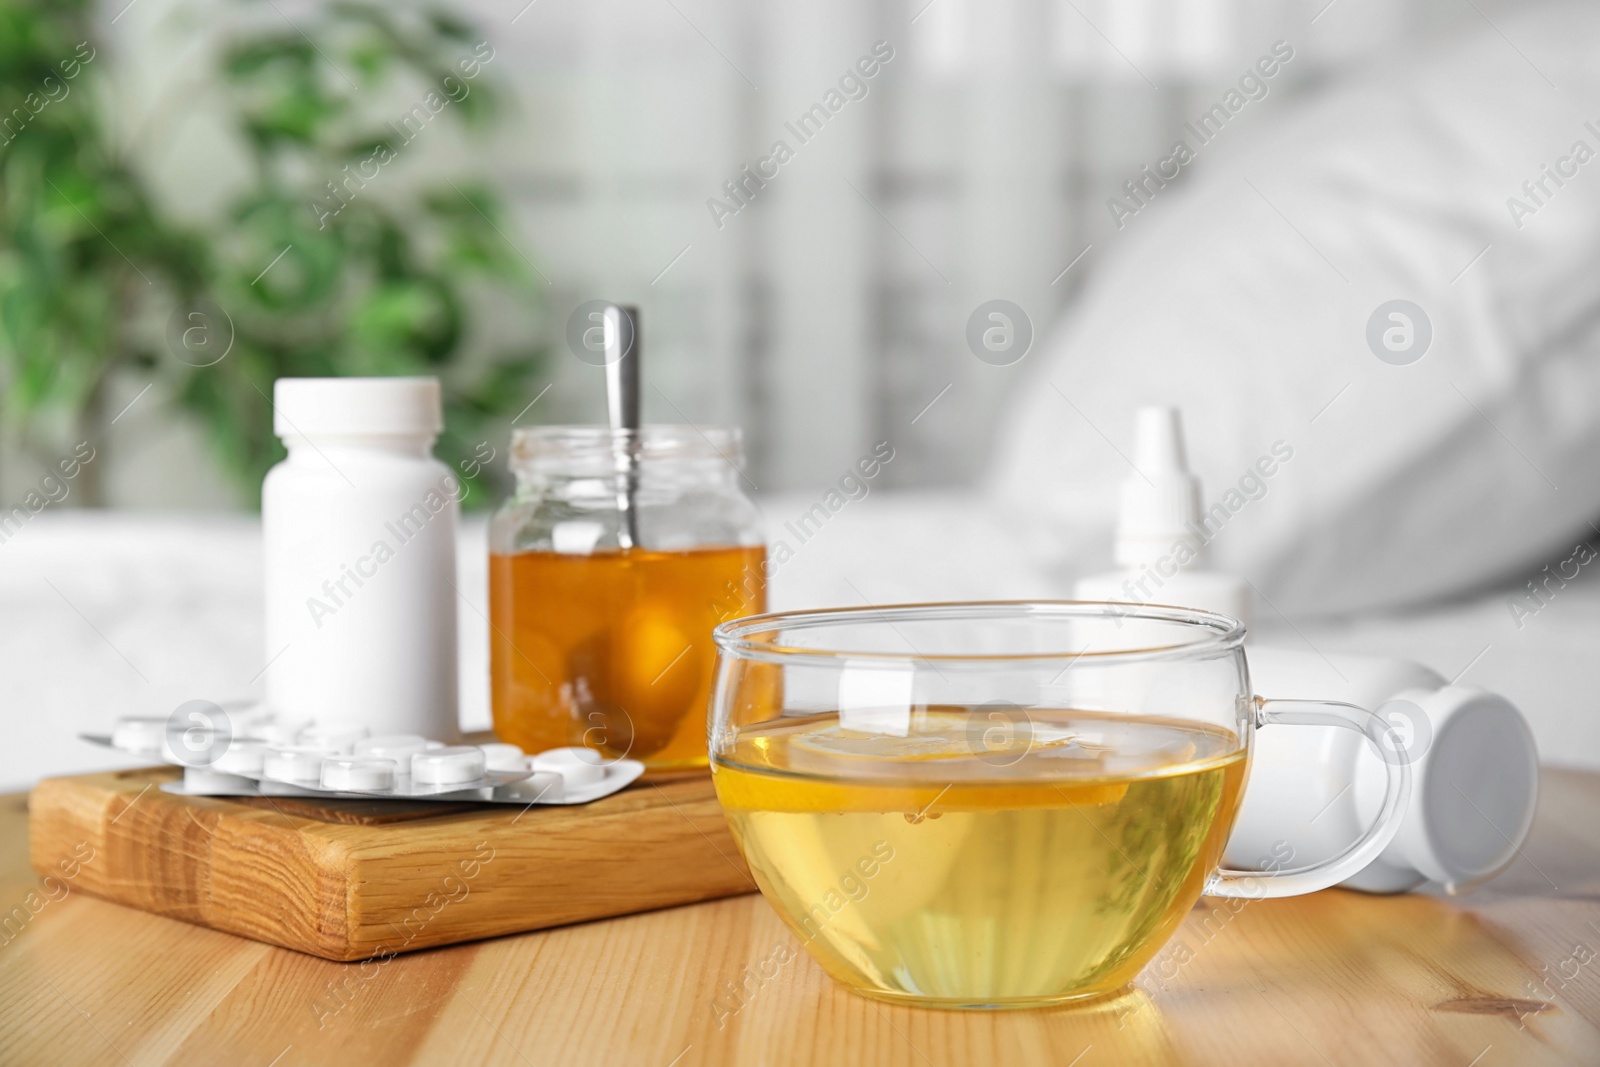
{"x": 351, "y": 880}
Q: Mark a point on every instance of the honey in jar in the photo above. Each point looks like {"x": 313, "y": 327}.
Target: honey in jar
{"x": 601, "y": 620}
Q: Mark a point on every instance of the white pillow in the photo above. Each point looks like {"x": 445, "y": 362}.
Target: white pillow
{"x": 1242, "y": 294}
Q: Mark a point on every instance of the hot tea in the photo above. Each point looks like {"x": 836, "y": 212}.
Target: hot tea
{"x": 933, "y": 863}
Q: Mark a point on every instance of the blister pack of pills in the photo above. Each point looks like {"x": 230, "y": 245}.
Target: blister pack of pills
{"x": 313, "y": 761}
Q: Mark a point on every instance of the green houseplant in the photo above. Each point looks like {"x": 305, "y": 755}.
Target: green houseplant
{"x": 332, "y": 257}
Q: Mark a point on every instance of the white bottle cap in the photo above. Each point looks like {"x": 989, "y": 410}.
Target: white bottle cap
{"x": 504, "y": 757}
{"x": 576, "y": 766}
{"x": 312, "y": 407}
{"x": 450, "y": 765}
{"x": 1476, "y": 784}
{"x": 1161, "y": 497}
{"x": 352, "y": 772}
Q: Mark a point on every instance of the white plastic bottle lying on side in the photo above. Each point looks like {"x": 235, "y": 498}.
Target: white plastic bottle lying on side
{"x": 359, "y": 532}
{"x": 1475, "y": 768}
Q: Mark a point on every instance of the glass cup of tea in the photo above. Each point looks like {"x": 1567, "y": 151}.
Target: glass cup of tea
{"x": 1000, "y": 804}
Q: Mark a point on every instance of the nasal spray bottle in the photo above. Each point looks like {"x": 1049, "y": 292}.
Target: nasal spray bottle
{"x": 1472, "y": 755}
{"x": 1160, "y": 546}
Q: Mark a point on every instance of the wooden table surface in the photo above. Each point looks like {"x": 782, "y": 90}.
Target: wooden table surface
{"x": 1507, "y": 975}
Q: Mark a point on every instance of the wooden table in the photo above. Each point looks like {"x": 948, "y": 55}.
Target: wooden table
{"x": 1509, "y": 975}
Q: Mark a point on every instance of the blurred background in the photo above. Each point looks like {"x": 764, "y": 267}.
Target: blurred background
{"x": 188, "y": 156}
{"x": 197, "y": 198}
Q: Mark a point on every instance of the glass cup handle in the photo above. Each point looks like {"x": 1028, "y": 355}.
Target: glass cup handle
{"x": 1258, "y": 885}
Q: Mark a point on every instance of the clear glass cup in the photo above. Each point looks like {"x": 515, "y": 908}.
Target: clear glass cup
{"x": 608, "y": 568}
{"x": 1001, "y": 804}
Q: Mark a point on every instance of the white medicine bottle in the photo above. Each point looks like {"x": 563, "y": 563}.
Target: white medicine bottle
{"x": 359, "y": 538}
{"x": 1161, "y": 539}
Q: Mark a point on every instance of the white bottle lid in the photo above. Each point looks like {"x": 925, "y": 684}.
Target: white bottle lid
{"x": 1475, "y": 788}
{"x": 1161, "y": 497}
{"x": 312, "y": 407}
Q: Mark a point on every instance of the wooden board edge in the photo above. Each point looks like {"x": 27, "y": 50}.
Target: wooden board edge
{"x": 697, "y": 823}
{"x": 109, "y": 816}
{"x": 122, "y": 813}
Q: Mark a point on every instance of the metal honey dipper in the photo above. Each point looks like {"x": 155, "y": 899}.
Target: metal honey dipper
{"x": 621, "y": 332}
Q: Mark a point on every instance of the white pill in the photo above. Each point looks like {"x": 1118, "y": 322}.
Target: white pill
{"x": 241, "y": 757}
{"x": 576, "y": 766}
{"x": 504, "y": 757}
{"x": 347, "y": 772}
{"x": 194, "y": 746}
{"x": 294, "y": 763}
{"x": 398, "y": 747}
{"x": 140, "y": 735}
{"x": 337, "y": 736}
{"x": 449, "y": 765}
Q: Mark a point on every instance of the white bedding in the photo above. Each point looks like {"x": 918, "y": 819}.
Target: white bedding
{"x": 111, "y": 613}
{"x": 1245, "y": 295}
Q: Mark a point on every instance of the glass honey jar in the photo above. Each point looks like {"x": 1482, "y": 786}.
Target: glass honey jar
{"x": 609, "y": 566}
